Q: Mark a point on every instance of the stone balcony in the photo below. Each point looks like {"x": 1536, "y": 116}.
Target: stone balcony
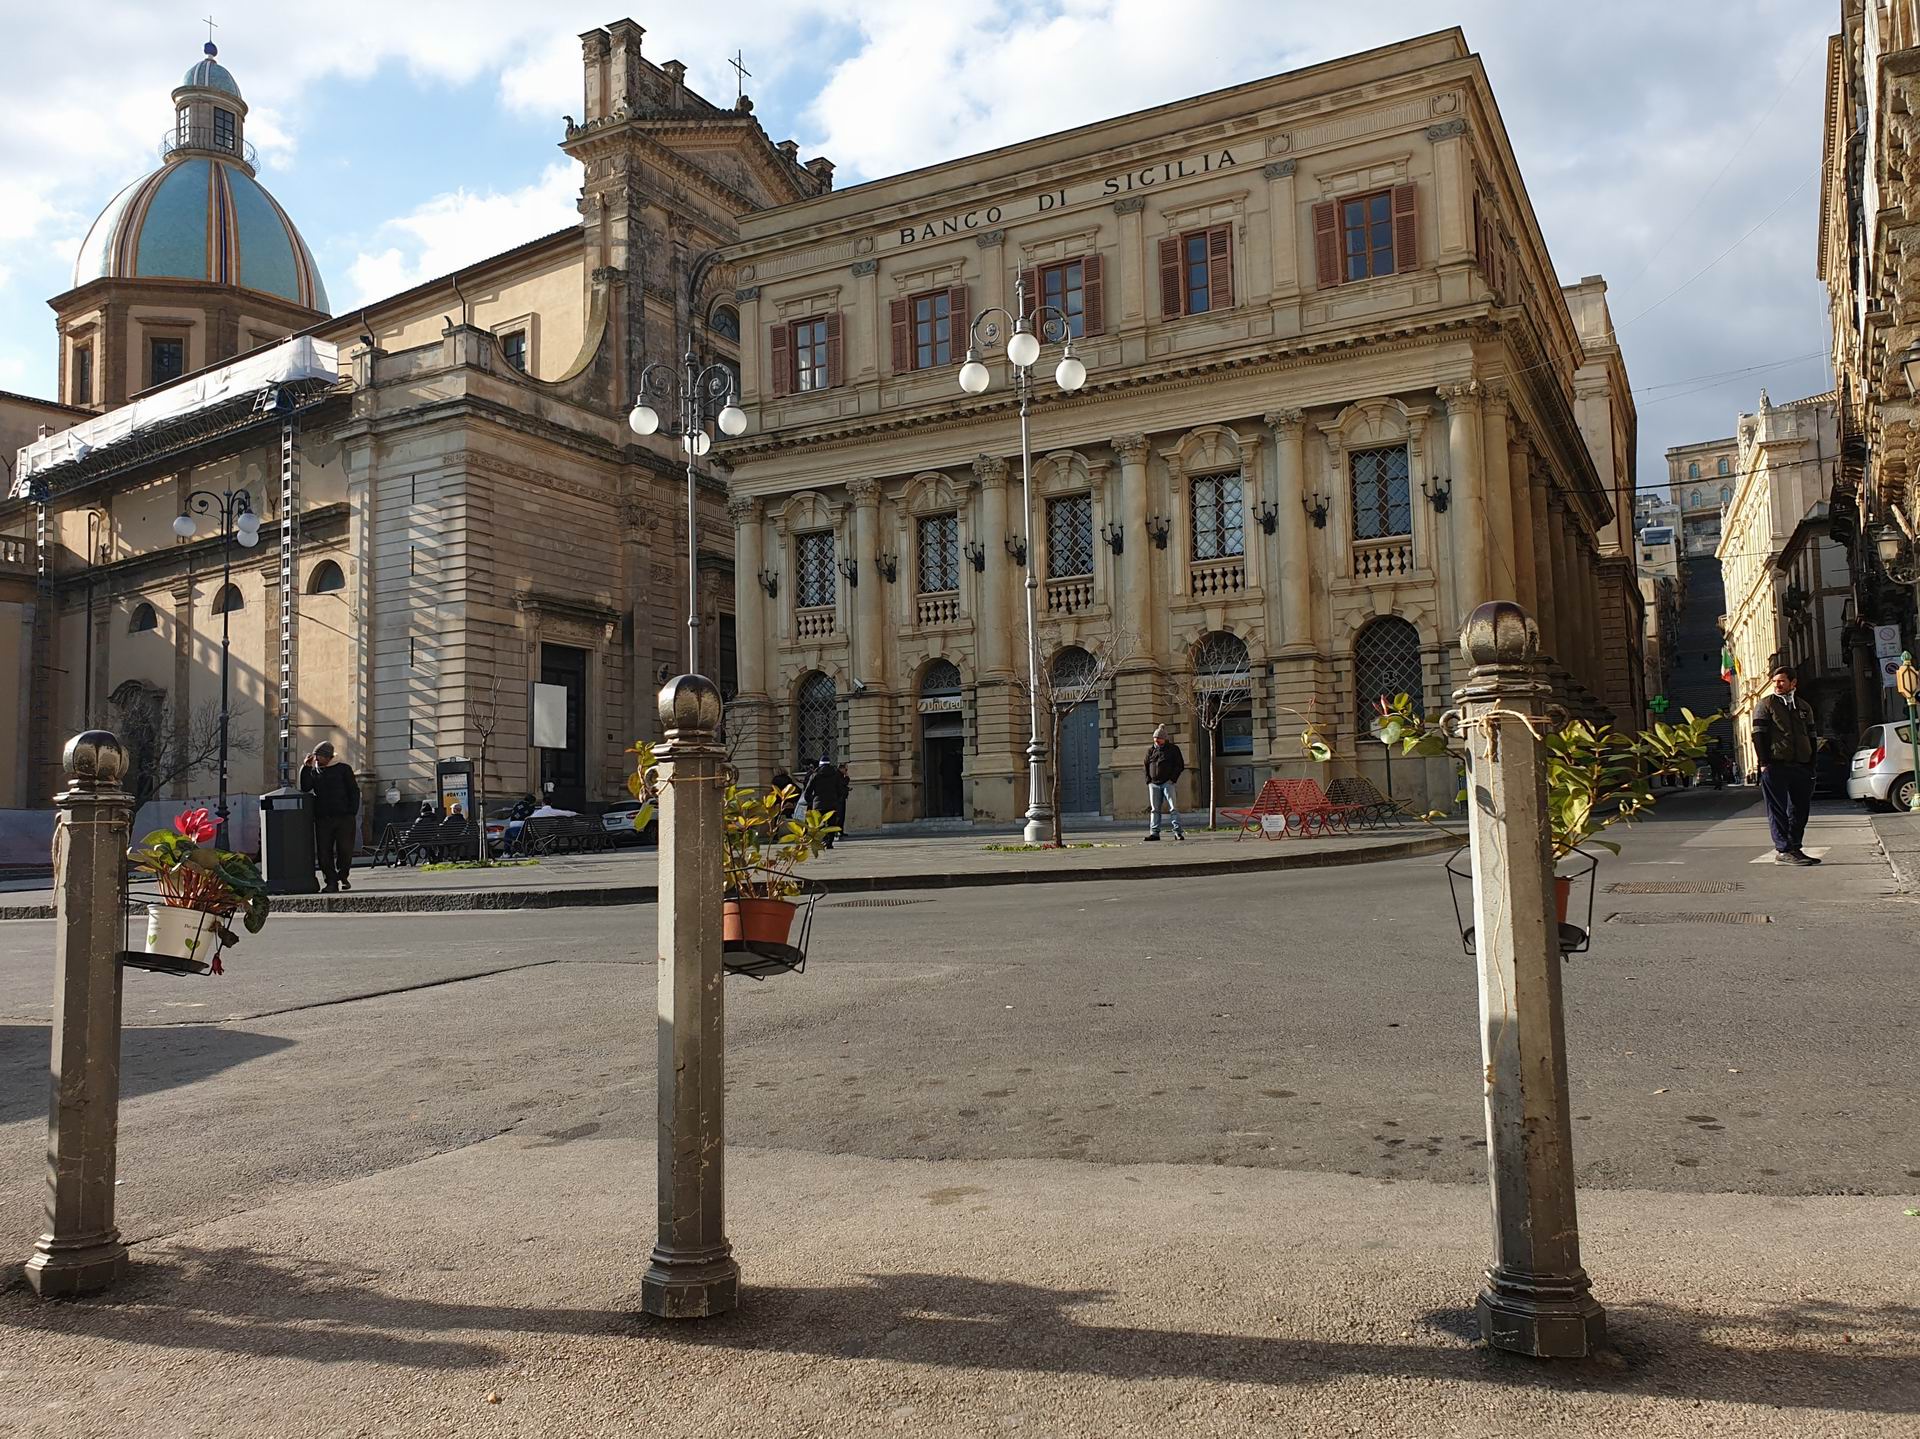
{"x": 1069, "y": 596}
{"x": 937, "y": 609}
{"x": 1217, "y": 579}
{"x": 1383, "y": 559}
{"x": 813, "y": 622}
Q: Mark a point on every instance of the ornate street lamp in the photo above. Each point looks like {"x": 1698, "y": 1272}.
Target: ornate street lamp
{"x": 696, "y": 396}
{"x": 238, "y": 522}
{"x": 1030, "y": 327}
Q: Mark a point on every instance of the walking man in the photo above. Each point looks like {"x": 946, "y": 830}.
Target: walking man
{"x": 1165, "y": 765}
{"x": 826, "y": 794}
{"x": 336, "y": 813}
{"x": 1783, "y": 745}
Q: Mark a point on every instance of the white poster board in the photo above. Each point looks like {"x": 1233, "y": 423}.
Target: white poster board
{"x": 549, "y": 716}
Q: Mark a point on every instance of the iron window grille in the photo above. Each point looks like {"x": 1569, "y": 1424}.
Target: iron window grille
{"x": 939, "y": 537}
{"x": 816, "y": 719}
{"x": 1215, "y": 517}
{"x": 1382, "y": 496}
{"x": 1386, "y": 662}
{"x": 813, "y": 563}
{"x": 942, "y": 678}
{"x": 1070, "y": 537}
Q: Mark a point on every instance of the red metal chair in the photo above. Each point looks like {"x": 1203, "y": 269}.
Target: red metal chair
{"x": 1270, "y": 801}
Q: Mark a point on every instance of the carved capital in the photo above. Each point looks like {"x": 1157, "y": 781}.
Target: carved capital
{"x": 991, "y": 238}
{"x": 1460, "y": 397}
{"x": 1519, "y": 433}
{"x": 1132, "y": 449}
{"x": 743, "y": 511}
{"x": 1284, "y": 422}
{"x": 863, "y": 490}
{"x": 990, "y": 470}
{"x": 866, "y": 267}
{"x": 747, "y": 292}
{"x": 1279, "y": 169}
{"x": 1132, "y": 205}
{"x": 1447, "y": 130}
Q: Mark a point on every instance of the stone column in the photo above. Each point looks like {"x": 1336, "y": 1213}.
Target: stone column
{"x": 81, "y": 1249}
{"x": 1520, "y": 484}
{"x": 1590, "y": 609}
{"x": 692, "y": 1272}
{"x": 1468, "y": 494}
{"x": 1546, "y": 586}
{"x": 750, "y": 629}
{"x": 869, "y": 597}
{"x": 1503, "y": 570}
{"x": 989, "y": 532}
{"x": 1293, "y": 575}
{"x": 1573, "y": 631}
{"x": 1134, "y": 602}
{"x": 1537, "y": 1298}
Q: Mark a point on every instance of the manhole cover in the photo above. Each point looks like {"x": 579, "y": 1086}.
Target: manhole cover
{"x": 1674, "y": 886}
{"x": 873, "y": 903}
{"x": 1704, "y": 917}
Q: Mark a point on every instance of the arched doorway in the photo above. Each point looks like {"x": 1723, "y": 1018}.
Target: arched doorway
{"x": 816, "y": 714}
{"x": 942, "y": 743}
{"x": 1079, "y": 757}
{"x": 1386, "y": 665}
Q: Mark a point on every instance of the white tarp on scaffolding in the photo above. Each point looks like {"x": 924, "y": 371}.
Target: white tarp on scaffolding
{"x": 300, "y": 358}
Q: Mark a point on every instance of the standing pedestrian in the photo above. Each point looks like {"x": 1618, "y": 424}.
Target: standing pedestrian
{"x": 336, "y": 813}
{"x": 1783, "y": 744}
{"x": 826, "y": 794}
{"x": 1165, "y": 765}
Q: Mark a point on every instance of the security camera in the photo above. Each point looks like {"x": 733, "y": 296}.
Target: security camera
{"x": 859, "y": 687}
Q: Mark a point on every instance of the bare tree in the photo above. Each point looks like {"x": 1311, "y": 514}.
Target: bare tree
{"x": 483, "y": 718}
{"x": 1218, "y": 680}
{"x": 1080, "y": 676}
{"x": 160, "y": 748}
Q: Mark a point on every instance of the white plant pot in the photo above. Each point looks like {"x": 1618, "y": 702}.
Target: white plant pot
{"x": 182, "y": 933}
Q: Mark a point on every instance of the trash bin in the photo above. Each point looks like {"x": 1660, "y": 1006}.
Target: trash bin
{"x": 286, "y": 842}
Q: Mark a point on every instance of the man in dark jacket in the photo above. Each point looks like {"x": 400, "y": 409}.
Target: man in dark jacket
{"x": 1783, "y": 744}
{"x": 1165, "y": 764}
{"x": 826, "y": 793}
{"x": 336, "y": 812}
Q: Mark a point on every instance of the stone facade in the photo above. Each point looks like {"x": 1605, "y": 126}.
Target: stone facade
{"x": 1700, "y": 480}
{"x": 1336, "y": 399}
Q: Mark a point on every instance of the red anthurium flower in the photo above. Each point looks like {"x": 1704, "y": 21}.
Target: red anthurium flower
{"x": 196, "y": 825}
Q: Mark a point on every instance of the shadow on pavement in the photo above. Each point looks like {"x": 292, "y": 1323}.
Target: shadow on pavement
{"x": 150, "y": 1060}
{"x": 251, "y": 1303}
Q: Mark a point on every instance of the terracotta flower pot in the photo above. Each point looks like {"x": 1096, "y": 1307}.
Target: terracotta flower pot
{"x": 1562, "y": 893}
{"x": 756, "y": 921}
{"x": 182, "y": 933}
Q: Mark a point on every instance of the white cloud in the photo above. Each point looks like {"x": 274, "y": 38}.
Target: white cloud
{"x": 455, "y": 229}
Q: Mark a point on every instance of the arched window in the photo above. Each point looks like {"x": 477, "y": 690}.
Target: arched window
{"x": 726, "y": 323}
{"x": 815, "y": 718}
{"x": 1693, "y": 469}
{"x": 1693, "y": 500}
{"x": 1723, "y": 465}
{"x": 1071, "y": 669}
{"x": 145, "y": 618}
{"x": 942, "y": 678}
{"x": 1386, "y": 662}
{"x": 228, "y": 600}
{"x": 325, "y": 577}
{"x": 1726, "y": 496}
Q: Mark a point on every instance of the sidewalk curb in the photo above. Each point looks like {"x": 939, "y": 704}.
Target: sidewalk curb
{"x": 1899, "y": 836}
{"x": 586, "y": 897}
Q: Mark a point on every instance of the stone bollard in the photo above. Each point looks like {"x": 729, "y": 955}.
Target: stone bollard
{"x": 81, "y": 1250}
{"x": 1537, "y": 1298}
{"x": 692, "y": 1272}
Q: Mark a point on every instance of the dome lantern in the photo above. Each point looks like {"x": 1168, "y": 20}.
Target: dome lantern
{"x": 209, "y": 114}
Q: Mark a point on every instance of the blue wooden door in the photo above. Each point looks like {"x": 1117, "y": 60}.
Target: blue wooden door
{"x": 1079, "y": 760}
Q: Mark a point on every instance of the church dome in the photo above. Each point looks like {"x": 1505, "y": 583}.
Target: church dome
{"x": 210, "y": 74}
{"x": 201, "y": 217}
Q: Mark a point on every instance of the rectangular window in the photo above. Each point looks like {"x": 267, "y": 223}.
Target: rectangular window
{"x": 932, "y": 329}
{"x": 1064, "y": 287}
{"x": 939, "y": 554}
{"x": 810, "y": 370}
{"x": 1366, "y": 221}
{"x": 813, "y": 568}
{"x": 1069, "y": 537}
{"x": 1214, "y": 515}
{"x": 1194, "y": 274}
{"x": 1382, "y": 497}
{"x": 82, "y": 375}
{"x": 1196, "y": 271}
{"x": 513, "y": 345}
{"x": 222, "y": 129}
{"x": 166, "y": 360}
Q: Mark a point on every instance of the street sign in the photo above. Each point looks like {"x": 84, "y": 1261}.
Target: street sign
{"x": 1889, "y": 670}
{"x": 1886, "y": 641}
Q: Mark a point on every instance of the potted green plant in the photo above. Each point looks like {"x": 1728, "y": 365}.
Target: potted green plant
{"x": 204, "y": 888}
{"x": 1596, "y": 776}
{"x": 765, "y": 844}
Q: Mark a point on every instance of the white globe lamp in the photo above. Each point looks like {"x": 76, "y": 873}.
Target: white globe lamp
{"x": 644, "y": 420}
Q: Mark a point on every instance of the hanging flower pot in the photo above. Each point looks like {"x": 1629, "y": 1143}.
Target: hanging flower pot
{"x": 1562, "y": 896}
{"x": 203, "y": 888}
{"x": 756, "y": 921}
{"x": 174, "y": 932}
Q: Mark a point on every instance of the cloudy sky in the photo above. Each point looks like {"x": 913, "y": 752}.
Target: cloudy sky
{"x": 1672, "y": 147}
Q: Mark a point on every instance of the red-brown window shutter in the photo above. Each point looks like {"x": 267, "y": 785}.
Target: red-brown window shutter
{"x": 780, "y": 361}
{"x": 1172, "y": 292}
{"x": 1406, "y": 228}
{"x": 1220, "y": 267}
{"x": 900, "y": 313}
{"x": 836, "y": 375}
{"x": 1093, "y": 294}
{"x": 1326, "y": 244}
{"x": 959, "y": 317}
{"x": 1479, "y": 233}
{"x": 1031, "y": 278}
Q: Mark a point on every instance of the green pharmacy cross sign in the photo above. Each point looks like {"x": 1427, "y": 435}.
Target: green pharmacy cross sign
{"x": 1659, "y": 704}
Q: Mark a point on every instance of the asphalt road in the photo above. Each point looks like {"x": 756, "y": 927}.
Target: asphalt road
{"x": 1318, "y": 1020}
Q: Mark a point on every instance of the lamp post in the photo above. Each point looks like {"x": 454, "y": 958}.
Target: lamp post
{"x": 1029, "y": 329}
{"x": 237, "y": 522}
{"x": 696, "y": 394}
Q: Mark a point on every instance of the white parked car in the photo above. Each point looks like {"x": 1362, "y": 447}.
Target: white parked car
{"x": 1882, "y": 770}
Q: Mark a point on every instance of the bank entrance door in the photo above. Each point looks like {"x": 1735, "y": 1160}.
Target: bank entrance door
{"x": 942, "y": 743}
{"x": 565, "y": 768}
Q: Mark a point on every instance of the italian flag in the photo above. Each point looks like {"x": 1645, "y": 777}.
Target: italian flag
{"x": 1729, "y": 666}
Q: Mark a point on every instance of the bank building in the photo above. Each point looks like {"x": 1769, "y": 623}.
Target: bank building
{"x": 1334, "y": 396}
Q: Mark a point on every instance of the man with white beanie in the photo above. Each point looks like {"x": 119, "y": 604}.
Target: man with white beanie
{"x": 1165, "y": 765}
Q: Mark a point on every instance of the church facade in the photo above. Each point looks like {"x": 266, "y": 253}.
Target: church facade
{"x": 1335, "y": 398}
